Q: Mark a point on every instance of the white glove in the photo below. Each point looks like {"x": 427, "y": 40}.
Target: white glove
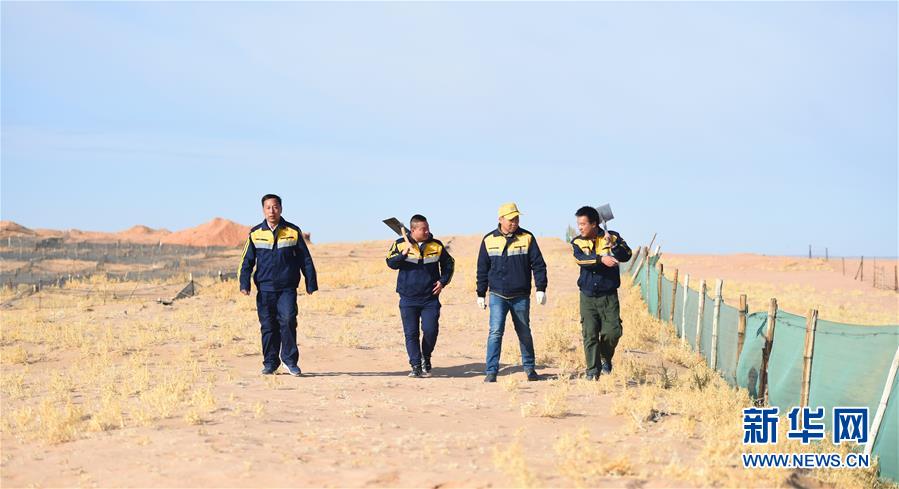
{"x": 482, "y": 303}
{"x": 541, "y": 297}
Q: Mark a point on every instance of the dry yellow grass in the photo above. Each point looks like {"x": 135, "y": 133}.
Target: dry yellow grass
{"x": 75, "y": 368}
{"x": 510, "y": 460}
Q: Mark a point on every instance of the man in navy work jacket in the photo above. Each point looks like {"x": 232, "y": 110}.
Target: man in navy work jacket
{"x": 598, "y": 255}
{"x": 425, "y": 268}
{"x": 277, "y": 249}
{"x": 506, "y": 260}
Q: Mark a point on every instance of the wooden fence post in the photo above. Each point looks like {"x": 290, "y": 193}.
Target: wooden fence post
{"x": 882, "y": 407}
{"x": 659, "y": 291}
{"x": 673, "y": 299}
{"x": 811, "y": 325}
{"x": 874, "y": 272}
{"x": 639, "y": 264}
{"x": 634, "y": 259}
{"x": 741, "y": 326}
{"x": 714, "y": 354}
{"x": 699, "y": 315}
{"x": 766, "y": 351}
{"x": 648, "y": 268}
{"x": 683, "y": 320}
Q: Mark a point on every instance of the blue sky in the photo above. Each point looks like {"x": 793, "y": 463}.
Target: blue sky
{"x": 724, "y": 127}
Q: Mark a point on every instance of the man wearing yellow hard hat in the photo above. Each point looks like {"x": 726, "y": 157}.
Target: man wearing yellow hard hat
{"x": 506, "y": 260}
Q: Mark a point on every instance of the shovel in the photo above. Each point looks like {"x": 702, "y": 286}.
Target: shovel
{"x": 605, "y": 215}
{"x": 397, "y": 227}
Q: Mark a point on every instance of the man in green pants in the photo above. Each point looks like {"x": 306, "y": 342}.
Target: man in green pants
{"x": 598, "y": 254}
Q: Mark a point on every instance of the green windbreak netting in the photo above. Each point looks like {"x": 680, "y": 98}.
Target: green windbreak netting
{"x": 651, "y": 290}
{"x": 785, "y": 364}
{"x": 887, "y": 444}
{"x": 849, "y": 368}
{"x": 692, "y": 315}
{"x": 708, "y": 316}
{"x": 666, "y": 300}
{"x": 728, "y": 321}
{"x": 750, "y": 363}
{"x": 678, "y": 309}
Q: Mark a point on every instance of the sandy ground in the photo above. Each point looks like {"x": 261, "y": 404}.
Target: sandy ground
{"x": 354, "y": 418}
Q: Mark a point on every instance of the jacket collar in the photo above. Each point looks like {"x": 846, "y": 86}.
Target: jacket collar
{"x": 265, "y": 226}
{"x": 497, "y": 232}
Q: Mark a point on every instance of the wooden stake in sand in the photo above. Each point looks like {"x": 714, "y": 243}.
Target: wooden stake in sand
{"x": 811, "y": 325}
{"x": 874, "y": 273}
{"x": 741, "y": 326}
{"x": 683, "y": 317}
{"x": 673, "y": 299}
{"x": 766, "y": 351}
{"x": 653, "y": 240}
{"x": 714, "y": 354}
{"x": 659, "y": 291}
{"x": 635, "y": 258}
{"x": 882, "y": 407}
{"x": 643, "y": 257}
{"x": 648, "y": 267}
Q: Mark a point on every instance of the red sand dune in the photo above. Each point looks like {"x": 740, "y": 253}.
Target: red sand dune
{"x": 142, "y": 234}
{"x": 217, "y": 232}
{"x": 9, "y": 228}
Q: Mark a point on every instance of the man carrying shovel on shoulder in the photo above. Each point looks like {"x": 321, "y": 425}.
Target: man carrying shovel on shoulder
{"x": 598, "y": 252}
{"x": 425, "y": 268}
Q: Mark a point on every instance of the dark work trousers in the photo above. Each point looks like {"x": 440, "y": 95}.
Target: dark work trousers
{"x": 427, "y": 316}
{"x": 601, "y": 327}
{"x": 278, "y": 320}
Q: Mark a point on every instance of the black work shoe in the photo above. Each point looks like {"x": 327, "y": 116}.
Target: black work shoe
{"x": 490, "y": 378}
{"x": 532, "y": 376}
{"x": 426, "y": 365}
{"x": 416, "y": 371}
{"x": 606, "y": 368}
{"x": 592, "y": 377}
{"x": 268, "y": 371}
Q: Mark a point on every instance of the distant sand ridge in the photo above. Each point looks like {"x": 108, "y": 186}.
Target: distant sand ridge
{"x": 217, "y": 232}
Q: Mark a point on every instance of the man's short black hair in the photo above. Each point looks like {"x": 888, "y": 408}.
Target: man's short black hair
{"x": 271, "y": 196}
{"x": 417, "y": 219}
{"x": 588, "y": 212}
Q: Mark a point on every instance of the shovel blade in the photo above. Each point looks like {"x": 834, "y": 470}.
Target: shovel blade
{"x": 605, "y": 213}
{"x": 394, "y": 224}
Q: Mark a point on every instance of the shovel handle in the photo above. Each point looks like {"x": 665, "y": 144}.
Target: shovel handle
{"x": 605, "y": 228}
{"x": 406, "y": 236}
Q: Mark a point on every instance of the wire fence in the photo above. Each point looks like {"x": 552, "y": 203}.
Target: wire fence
{"x": 784, "y": 359}
{"x": 54, "y": 261}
